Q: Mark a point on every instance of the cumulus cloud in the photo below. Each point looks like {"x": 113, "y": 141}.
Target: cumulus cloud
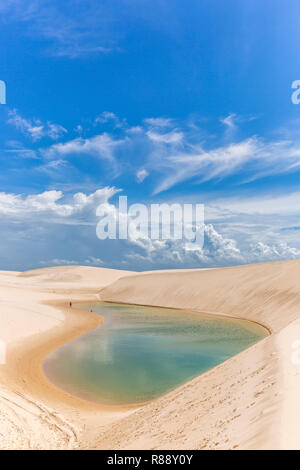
{"x": 280, "y": 251}
{"x": 217, "y": 250}
{"x": 225, "y": 244}
{"x": 50, "y": 218}
{"x": 53, "y": 203}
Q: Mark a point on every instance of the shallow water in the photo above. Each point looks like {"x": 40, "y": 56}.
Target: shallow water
{"x": 139, "y": 353}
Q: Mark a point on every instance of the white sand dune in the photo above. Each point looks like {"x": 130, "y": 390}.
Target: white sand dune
{"x": 250, "y": 401}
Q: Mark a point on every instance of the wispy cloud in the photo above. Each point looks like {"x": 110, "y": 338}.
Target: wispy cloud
{"x": 229, "y": 121}
{"x": 51, "y": 168}
{"x": 101, "y": 146}
{"x": 91, "y": 260}
{"x": 172, "y": 152}
{"x": 72, "y": 29}
{"x": 141, "y": 175}
{"x": 159, "y": 122}
{"x": 107, "y": 116}
{"x": 17, "y": 148}
{"x": 287, "y": 203}
{"x": 252, "y": 158}
{"x": 59, "y": 262}
{"x": 173, "y": 137}
{"x": 34, "y": 128}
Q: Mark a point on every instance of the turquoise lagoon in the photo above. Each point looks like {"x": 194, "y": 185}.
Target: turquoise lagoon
{"x": 140, "y": 353}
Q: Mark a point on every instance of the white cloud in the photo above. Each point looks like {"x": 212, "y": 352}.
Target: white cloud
{"x": 217, "y": 251}
{"x": 280, "y": 251}
{"x": 70, "y": 31}
{"x": 69, "y": 49}
{"x": 173, "y": 137}
{"x": 91, "y": 260}
{"x": 34, "y": 128}
{"x": 230, "y": 125}
{"x": 102, "y": 146}
{"x": 108, "y": 116}
{"x": 215, "y": 163}
{"x": 141, "y": 175}
{"x": 59, "y": 262}
{"x": 254, "y": 156}
{"x": 56, "y": 216}
{"x": 159, "y": 122}
{"x": 78, "y": 129}
{"x": 229, "y": 121}
{"x": 49, "y": 203}
{"x": 15, "y": 204}
{"x": 239, "y": 229}
{"x": 54, "y": 131}
{"x": 265, "y": 204}
{"x": 17, "y": 148}
{"x": 135, "y": 130}
{"x": 94, "y": 261}
{"x": 225, "y": 244}
{"x": 170, "y": 154}
{"x": 52, "y": 167}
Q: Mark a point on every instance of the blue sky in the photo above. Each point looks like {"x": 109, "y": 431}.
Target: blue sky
{"x": 160, "y": 101}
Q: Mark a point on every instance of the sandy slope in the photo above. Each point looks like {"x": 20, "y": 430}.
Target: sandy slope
{"x": 34, "y": 320}
{"x": 250, "y": 401}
